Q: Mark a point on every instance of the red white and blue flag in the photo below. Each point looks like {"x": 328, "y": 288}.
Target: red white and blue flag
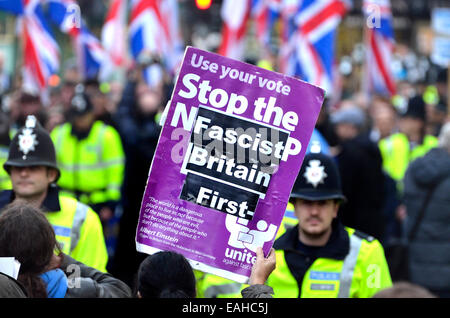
{"x": 41, "y": 55}
{"x": 114, "y": 32}
{"x": 379, "y": 37}
{"x": 93, "y": 60}
{"x": 312, "y": 44}
{"x": 235, "y": 15}
{"x": 265, "y": 13}
{"x": 154, "y": 30}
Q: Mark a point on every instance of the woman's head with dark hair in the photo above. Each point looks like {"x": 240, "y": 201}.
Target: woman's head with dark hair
{"x": 166, "y": 275}
{"x": 26, "y": 235}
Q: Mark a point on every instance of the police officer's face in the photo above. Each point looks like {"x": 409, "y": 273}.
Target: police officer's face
{"x": 31, "y": 182}
{"x": 315, "y": 217}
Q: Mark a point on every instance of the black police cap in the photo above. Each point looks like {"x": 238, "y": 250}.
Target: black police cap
{"x": 416, "y": 108}
{"x": 80, "y": 103}
{"x": 31, "y": 146}
{"x": 318, "y": 179}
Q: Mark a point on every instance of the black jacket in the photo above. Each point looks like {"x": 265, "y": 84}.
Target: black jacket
{"x": 363, "y": 184}
{"x": 11, "y": 288}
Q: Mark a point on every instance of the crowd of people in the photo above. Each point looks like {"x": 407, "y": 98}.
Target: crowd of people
{"x": 75, "y": 172}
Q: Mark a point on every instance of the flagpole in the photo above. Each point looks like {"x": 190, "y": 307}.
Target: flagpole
{"x": 448, "y": 91}
{"x": 364, "y": 79}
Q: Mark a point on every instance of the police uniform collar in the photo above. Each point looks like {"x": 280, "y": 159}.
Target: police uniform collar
{"x": 337, "y": 247}
{"x": 50, "y": 203}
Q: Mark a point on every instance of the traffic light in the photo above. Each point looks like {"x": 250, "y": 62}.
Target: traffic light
{"x": 203, "y": 4}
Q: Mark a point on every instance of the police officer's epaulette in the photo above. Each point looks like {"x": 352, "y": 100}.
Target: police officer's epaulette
{"x": 364, "y": 236}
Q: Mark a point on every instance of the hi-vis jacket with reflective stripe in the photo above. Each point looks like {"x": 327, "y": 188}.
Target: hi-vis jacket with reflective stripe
{"x": 91, "y": 168}
{"x": 351, "y": 264}
{"x": 5, "y": 180}
{"x": 212, "y": 286}
{"x": 397, "y": 153}
{"x": 77, "y": 227}
{"x": 79, "y": 232}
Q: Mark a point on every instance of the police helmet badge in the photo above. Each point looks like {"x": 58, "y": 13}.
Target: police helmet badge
{"x": 315, "y": 173}
{"x": 79, "y": 103}
{"x": 27, "y": 139}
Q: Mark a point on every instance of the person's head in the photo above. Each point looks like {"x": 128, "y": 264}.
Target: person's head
{"x": 31, "y": 161}
{"x": 412, "y": 121}
{"x": 166, "y": 275}
{"x": 97, "y": 97}
{"x": 444, "y": 137}
{"x": 316, "y": 195}
{"x": 29, "y": 104}
{"x": 26, "y": 235}
{"x": 404, "y": 290}
{"x": 71, "y": 78}
{"x": 383, "y": 115}
{"x": 148, "y": 98}
{"x": 81, "y": 109}
{"x": 348, "y": 122}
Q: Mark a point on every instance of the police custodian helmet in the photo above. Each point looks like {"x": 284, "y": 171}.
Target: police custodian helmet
{"x": 31, "y": 146}
{"x": 318, "y": 179}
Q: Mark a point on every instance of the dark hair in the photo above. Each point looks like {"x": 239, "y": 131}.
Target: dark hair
{"x": 166, "y": 275}
{"x": 404, "y": 290}
{"x": 26, "y": 235}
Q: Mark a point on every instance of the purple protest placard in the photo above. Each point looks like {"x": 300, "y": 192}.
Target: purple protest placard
{"x": 229, "y": 152}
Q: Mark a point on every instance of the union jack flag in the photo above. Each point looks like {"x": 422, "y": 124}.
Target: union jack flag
{"x": 154, "y": 29}
{"x": 265, "y": 13}
{"x": 235, "y": 14}
{"x": 113, "y": 31}
{"x": 41, "y": 55}
{"x": 311, "y": 33}
{"x": 93, "y": 60}
{"x": 379, "y": 38}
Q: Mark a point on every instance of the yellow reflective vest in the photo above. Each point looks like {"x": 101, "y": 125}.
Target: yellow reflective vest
{"x": 358, "y": 273}
{"x": 77, "y": 227}
{"x": 92, "y": 169}
{"x": 79, "y": 232}
{"x": 212, "y": 286}
{"x": 397, "y": 154}
{"x": 5, "y": 180}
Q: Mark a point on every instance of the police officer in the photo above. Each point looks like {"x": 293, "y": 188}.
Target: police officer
{"x": 320, "y": 257}
{"x": 90, "y": 156}
{"x": 32, "y": 168}
{"x": 412, "y": 142}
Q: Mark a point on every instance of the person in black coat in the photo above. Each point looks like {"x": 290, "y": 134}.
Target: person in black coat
{"x": 360, "y": 165}
{"x": 137, "y": 122}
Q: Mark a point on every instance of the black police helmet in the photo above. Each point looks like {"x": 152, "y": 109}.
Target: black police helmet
{"x": 318, "y": 179}
{"x": 31, "y": 146}
{"x": 80, "y": 103}
{"x": 416, "y": 108}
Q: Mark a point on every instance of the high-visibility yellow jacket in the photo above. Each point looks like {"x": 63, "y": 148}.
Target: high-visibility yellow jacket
{"x": 77, "y": 227}
{"x": 212, "y": 286}
{"x": 351, "y": 265}
{"x": 354, "y": 268}
{"x": 92, "y": 168}
{"x": 397, "y": 153}
{"x": 5, "y": 180}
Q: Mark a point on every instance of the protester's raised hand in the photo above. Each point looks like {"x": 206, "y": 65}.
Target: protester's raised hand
{"x": 262, "y": 267}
